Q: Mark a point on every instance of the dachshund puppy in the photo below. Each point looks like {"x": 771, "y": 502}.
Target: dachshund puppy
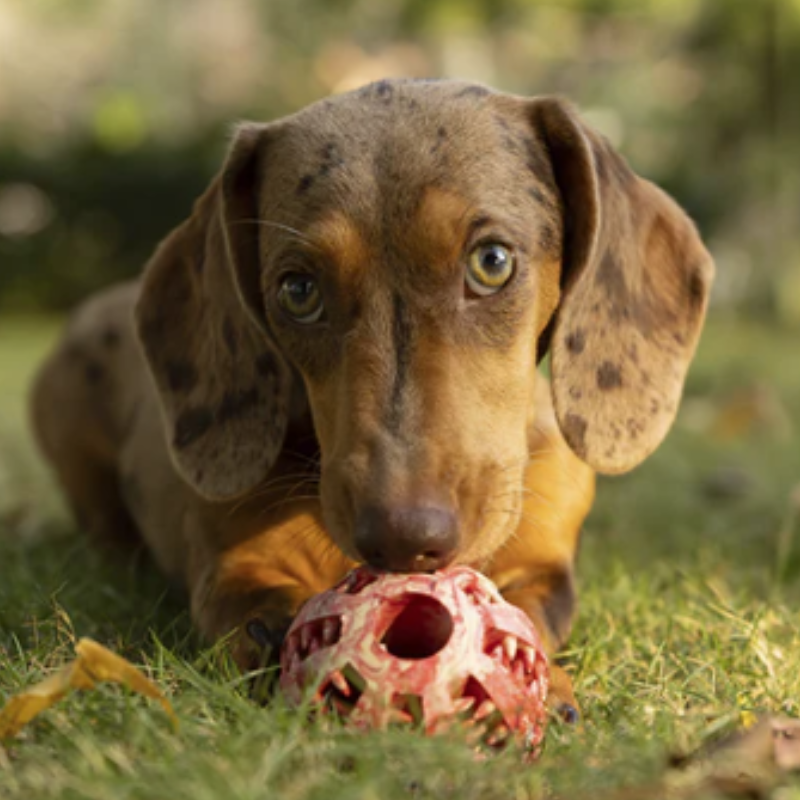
{"x": 334, "y": 358}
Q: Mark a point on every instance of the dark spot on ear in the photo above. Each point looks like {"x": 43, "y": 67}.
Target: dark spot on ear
{"x": 655, "y": 406}
{"x": 94, "y": 373}
{"x": 678, "y": 337}
{"x": 612, "y": 279}
{"x": 575, "y": 393}
{"x": 574, "y": 429}
{"x": 110, "y": 338}
{"x": 615, "y": 431}
{"x": 229, "y": 334}
{"x": 633, "y": 353}
{"x": 191, "y": 425}
{"x": 234, "y": 404}
{"x": 181, "y": 375}
{"x": 305, "y": 184}
{"x": 608, "y": 376}
{"x": 576, "y": 341}
{"x": 634, "y": 427}
{"x": 267, "y": 365}
{"x": 474, "y": 91}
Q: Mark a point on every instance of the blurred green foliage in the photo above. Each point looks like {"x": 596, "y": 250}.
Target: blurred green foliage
{"x": 113, "y": 115}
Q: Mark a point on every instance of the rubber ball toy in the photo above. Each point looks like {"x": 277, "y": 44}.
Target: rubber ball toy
{"x": 430, "y": 650}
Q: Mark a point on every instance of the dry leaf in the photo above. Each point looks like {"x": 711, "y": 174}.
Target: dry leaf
{"x": 94, "y": 664}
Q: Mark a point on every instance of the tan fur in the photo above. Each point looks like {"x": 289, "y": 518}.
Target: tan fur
{"x": 241, "y": 446}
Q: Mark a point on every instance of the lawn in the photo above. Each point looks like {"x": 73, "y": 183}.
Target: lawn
{"x": 689, "y": 576}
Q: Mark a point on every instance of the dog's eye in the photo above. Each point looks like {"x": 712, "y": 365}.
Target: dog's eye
{"x": 300, "y": 297}
{"x": 489, "y": 268}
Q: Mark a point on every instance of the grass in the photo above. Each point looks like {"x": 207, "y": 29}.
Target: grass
{"x": 688, "y": 621}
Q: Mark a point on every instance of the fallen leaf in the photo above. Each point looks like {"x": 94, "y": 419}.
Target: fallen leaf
{"x": 94, "y": 664}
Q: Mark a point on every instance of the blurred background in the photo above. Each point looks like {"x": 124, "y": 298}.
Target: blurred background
{"x": 115, "y": 113}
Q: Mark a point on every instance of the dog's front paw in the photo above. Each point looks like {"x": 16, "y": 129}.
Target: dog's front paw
{"x": 258, "y": 643}
{"x": 256, "y": 649}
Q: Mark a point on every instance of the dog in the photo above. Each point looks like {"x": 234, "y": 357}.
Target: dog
{"x": 335, "y": 359}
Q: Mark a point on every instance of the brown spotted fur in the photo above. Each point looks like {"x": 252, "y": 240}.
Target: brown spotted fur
{"x": 186, "y": 410}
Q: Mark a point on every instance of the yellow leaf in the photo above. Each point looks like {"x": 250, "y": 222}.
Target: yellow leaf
{"x": 94, "y": 664}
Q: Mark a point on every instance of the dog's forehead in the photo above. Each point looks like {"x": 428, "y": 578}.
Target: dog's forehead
{"x": 401, "y": 137}
{"x": 399, "y": 106}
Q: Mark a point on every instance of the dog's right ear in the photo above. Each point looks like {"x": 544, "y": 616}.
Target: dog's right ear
{"x": 222, "y": 383}
{"x": 635, "y": 285}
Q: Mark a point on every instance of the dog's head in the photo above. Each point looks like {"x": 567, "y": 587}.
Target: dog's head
{"x": 411, "y": 251}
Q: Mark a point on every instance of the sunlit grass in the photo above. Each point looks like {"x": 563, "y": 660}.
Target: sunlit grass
{"x": 688, "y": 620}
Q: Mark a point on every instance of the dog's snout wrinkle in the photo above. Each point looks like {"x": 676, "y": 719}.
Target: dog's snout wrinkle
{"x": 407, "y": 538}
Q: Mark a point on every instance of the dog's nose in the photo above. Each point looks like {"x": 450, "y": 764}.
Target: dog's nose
{"x": 416, "y": 539}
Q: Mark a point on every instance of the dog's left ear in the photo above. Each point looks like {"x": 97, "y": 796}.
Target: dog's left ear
{"x": 222, "y": 382}
{"x": 635, "y": 283}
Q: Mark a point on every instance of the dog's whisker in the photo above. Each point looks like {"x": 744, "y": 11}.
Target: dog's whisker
{"x": 285, "y": 501}
{"x": 299, "y": 235}
{"x": 265, "y": 489}
{"x": 515, "y": 534}
{"x": 282, "y": 479}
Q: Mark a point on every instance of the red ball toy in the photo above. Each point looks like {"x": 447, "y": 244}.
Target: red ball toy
{"x": 430, "y": 650}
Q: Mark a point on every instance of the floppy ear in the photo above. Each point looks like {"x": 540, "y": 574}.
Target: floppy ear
{"x": 635, "y": 283}
{"x": 222, "y": 384}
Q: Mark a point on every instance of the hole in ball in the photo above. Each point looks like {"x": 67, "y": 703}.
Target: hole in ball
{"x": 420, "y": 630}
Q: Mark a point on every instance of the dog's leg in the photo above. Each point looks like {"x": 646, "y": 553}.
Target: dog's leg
{"x": 252, "y": 571}
{"x": 75, "y": 414}
{"x": 534, "y": 570}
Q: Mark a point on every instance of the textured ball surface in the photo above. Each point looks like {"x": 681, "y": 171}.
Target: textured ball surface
{"x": 428, "y": 650}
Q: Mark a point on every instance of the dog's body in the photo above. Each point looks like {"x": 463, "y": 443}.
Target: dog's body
{"x": 334, "y": 358}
